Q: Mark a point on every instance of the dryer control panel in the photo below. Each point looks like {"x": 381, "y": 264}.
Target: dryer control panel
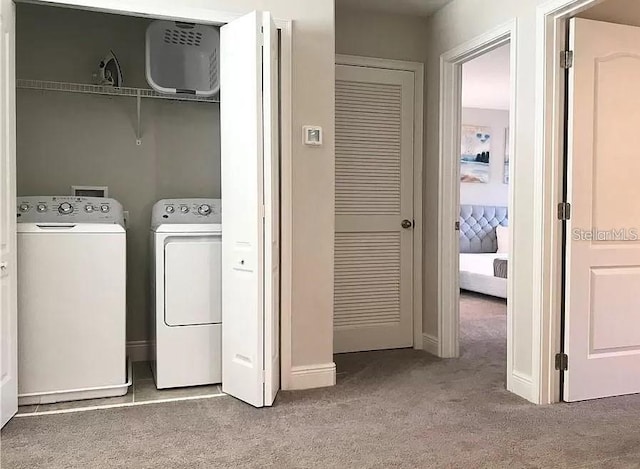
{"x": 69, "y": 209}
{"x": 187, "y": 211}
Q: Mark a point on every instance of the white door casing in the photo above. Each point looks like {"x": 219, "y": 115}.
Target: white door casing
{"x": 249, "y": 143}
{"x": 602, "y": 322}
{"x": 374, "y": 194}
{"x": 8, "y": 240}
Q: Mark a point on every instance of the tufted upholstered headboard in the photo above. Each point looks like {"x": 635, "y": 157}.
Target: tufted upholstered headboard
{"x": 478, "y": 227}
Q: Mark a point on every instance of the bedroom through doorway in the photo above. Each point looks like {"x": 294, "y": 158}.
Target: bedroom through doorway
{"x": 484, "y": 206}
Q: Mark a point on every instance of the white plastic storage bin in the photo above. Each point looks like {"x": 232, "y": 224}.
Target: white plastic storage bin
{"x": 183, "y": 58}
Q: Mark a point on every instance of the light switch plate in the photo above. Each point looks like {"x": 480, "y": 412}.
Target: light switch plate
{"x": 312, "y": 135}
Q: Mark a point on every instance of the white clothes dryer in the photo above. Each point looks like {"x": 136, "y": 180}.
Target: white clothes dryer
{"x": 71, "y": 299}
{"x": 186, "y": 275}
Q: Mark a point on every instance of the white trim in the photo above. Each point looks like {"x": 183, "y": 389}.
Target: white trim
{"x": 523, "y": 386}
{"x": 418, "y": 161}
{"x": 449, "y": 196}
{"x": 313, "y": 376}
{"x": 431, "y": 344}
{"x": 286, "y": 204}
{"x": 139, "y": 350}
{"x": 548, "y": 176}
{"x": 177, "y": 10}
{"x": 145, "y": 8}
{"x": 449, "y": 173}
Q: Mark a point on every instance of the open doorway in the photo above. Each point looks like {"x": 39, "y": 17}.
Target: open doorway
{"x": 586, "y": 110}
{"x": 601, "y": 345}
{"x": 484, "y": 204}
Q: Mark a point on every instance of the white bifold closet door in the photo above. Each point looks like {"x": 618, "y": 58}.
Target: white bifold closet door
{"x": 250, "y": 209}
{"x": 602, "y": 321}
{"x": 374, "y": 197}
{"x": 8, "y": 251}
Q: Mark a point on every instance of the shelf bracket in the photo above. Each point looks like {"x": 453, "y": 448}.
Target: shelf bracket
{"x": 138, "y": 126}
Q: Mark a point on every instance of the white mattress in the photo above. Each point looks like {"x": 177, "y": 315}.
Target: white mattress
{"x": 480, "y": 263}
{"x": 476, "y": 274}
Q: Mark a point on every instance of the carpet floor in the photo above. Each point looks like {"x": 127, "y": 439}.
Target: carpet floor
{"x": 400, "y": 408}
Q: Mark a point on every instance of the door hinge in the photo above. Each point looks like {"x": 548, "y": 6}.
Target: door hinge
{"x": 564, "y": 211}
{"x": 566, "y": 59}
{"x": 562, "y": 361}
{"x": 457, "y": 226}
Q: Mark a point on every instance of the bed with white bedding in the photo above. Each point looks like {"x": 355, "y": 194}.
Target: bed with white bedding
{"x": 482, "y": 267}
{"x": 477, "y": 274}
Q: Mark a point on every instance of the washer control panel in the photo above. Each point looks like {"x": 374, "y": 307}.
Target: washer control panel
{"x": 187, "y": 211}
{"x": 68, "y": 209}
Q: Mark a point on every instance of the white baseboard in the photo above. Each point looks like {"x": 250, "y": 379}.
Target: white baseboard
{"x": 312, "y": 376}
{"x": 431, "y": 344}
{"x": 521, "y": 385}
{"x": 302, "y": 377}
{"x": 139, "y": 350}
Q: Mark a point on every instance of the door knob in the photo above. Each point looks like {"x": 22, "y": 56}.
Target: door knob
{"x": 406, "y": 224}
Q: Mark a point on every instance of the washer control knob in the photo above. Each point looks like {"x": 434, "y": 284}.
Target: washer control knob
{"x": 89, "y": 208}
{"x": 170, "y": 209}
{"x": 65, "y": 208}
{"x": 204, "y": 209}
{"x": 24, "y": 207}
{"x": 105, "y": 208}
{"x": 184, "y": 209}
{"x": 41, "y": 208}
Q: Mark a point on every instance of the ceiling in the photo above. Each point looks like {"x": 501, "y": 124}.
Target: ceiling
{"x": 406, "y": 7}
{"x": 485, "y": 80}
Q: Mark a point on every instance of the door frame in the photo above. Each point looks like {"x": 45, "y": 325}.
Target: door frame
{"x": 449, "y": 183}
{"x": 418, "y": 162}
{"x": 213, "y": 16}
{"x": 551, "y": 27}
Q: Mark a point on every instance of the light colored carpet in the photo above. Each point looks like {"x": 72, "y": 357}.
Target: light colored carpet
{"x": 400, "y": 408}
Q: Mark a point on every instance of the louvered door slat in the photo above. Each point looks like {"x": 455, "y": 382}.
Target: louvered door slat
{"x": 374, "y": 149}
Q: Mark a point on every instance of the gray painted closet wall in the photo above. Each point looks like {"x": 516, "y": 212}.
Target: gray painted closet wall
{"x": 65, "y": 139}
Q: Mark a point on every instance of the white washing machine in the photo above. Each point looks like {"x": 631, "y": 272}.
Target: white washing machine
{"x": 186, "y": 243}
{"x": 71, "y": 299}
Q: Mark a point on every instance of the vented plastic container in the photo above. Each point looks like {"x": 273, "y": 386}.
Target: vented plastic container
{"x": 183, "y": 58}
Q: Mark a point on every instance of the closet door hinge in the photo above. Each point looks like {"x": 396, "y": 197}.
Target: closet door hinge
{"x": 562, "y": 361}
{"x": 566, "y": 59}
{"x": 564, "y": 211}
{"x": 456, "y": 226}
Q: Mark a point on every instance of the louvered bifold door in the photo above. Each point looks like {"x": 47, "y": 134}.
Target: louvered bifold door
{"x": 374, "y": 194}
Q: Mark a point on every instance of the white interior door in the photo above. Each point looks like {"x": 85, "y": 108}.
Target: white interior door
{"x": 8, "y": 252}
{"x": 602, "y": 322}
{"x": 374, "y": 197}
{"x": 250, "y": 222}
{"x": 271, "y": 198}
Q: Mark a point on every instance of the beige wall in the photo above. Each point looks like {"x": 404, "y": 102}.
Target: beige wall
{"x": 68, "y": 139}
{"x": 312, "y": 191}
{"x": 389, "y": 36}
{"x": 382, "y": 35}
